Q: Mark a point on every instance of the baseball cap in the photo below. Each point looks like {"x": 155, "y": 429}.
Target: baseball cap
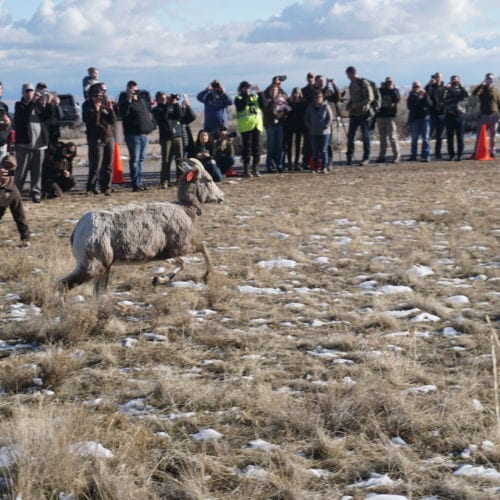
{"x": 28, "y": 86}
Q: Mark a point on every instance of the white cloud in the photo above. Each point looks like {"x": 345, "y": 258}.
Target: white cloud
{"x": 137, "y": 39}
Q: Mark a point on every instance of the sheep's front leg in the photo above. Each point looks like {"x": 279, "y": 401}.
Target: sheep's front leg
{"x": 200, "y": 247}
{"x": 162, "y": 280}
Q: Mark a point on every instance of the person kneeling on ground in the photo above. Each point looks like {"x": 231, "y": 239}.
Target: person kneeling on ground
{"x": 204, "y": 150}
{"x": 11, "y": 197}
{"x": 224, "y": 150}
{"x": 57, "y": 170}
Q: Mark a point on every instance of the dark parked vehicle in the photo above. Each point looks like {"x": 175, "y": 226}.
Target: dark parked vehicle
{"x": 70, "y": 111}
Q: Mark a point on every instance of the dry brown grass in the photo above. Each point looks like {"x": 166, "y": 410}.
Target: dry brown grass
{"x": 250, "y": 365}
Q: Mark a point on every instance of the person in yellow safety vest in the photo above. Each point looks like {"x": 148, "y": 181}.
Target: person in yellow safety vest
{"x": 249, "y": 106}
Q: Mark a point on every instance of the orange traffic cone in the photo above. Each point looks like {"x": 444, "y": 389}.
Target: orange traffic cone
{"x": 117, "y": 166}
{"x": 482, "y": 150}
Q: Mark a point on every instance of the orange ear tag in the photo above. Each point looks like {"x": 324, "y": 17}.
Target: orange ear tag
{"x": 190, "y": 175}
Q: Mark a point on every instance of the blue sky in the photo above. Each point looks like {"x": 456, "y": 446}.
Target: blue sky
{"x": 181, "y": 45}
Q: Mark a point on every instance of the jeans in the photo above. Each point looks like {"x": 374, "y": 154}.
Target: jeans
{"x": 437, "y": 128}
{"x": 319, "y": 147}
{"x": 420, "y": 128}
{"x": 137, "y": 146}
{"x": 274, "y": 135}
{"x": 100, "y": 166}
{"x": 364, "y": 123}
{"x": 225, "y": 162}
{"x": 455, "y": 126}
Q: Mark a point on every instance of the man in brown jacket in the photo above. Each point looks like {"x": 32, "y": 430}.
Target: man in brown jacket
{"x": 489, "y": 102}
{"x": 10, "y": 197}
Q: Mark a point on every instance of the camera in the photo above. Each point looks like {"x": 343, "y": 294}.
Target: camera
{"x": 230, "y": 135}
{"x": 174, "y": 97}
{"x": 281, "y": 78}
{"x": 215, "y": 85}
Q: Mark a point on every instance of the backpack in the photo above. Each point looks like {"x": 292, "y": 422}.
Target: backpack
{"x": 374, "y": 96}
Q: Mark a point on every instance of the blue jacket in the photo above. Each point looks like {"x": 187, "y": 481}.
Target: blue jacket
{"x": 216, "y": 104}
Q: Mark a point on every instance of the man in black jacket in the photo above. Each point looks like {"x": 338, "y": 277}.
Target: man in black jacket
{"x": 386, "y": 120}
{"x": 137, "y": 124}
{"x": 435, "y": 90}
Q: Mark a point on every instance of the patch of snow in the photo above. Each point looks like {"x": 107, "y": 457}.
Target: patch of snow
{"x": 202, "y": 312}
{"x": 187, "y": 284}
{"x": 457, "y": 299}
{"x": 319, "y": 473}
{"x": 423, "y": 389}
{"x": 294, "y": 305}
{"x": 397, "y": 441}
{"x": 206, "y": 435}
{"x": 439, "y": 211}
{"x": 8, "y": 456}
{"x": 343, "y": 361}
{"x": 420, "y": 271}
{"x": 91, "y": 449}
{"x": 392, "y": 289}
{"x": 368, "y": 285}
{"x": 449, "y": 331}
{"x": 405, "y": 313}
{"x": 248, "y": 289}
{"x": 322, "y": 352}
{"x": 279, "y": 235}
{"x": 261, "y": 444}
{"x": 129, "y": 342}
{"x": 154, "y": 337}
{"x": 478, "y": 471}
{"x": 277, "y": 264}
{"x": 374, "y": 481}
{"x": 22, "y": 312}
{"x": 425, "y": 318}
{"x": 252, "y": 472}
{"x": 321, "y": 260}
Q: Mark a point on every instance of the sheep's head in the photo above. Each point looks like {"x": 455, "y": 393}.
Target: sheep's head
{"x": 196, "y": 185}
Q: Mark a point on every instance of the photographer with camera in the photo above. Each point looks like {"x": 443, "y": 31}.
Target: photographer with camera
{"x": 489, "y": 103}
{"x": 224, "y": 150}
{"x": 216, "y": 102}
{"x": 169, "y": 116}
{"x": 454, "y": 110}
{"x": 249, "y": 106}
{"x": 435, "y": 90}
{"x": 99, "y": 117}
{"x": 276, "y": 82}
{"x": 386, "y": 120}
{"x": 31, "y": 116}
{"x": 138, "y": 123}
{"x": 419, "y": 104}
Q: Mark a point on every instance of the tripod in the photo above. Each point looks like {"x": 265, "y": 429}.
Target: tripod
{"x": 340, "y": 132}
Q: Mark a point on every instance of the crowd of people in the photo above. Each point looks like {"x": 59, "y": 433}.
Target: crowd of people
{"x": 298, "y": 130}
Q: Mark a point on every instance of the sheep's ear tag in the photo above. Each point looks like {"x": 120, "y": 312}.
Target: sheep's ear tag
{"x": 190, "y": 175}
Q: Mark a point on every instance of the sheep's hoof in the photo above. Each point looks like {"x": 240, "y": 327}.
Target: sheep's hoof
{"x": 156, "y": 281}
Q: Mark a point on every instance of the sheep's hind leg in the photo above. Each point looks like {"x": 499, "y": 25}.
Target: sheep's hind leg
{"x": 101, "y": 283}
{"x": 162, "y": 280}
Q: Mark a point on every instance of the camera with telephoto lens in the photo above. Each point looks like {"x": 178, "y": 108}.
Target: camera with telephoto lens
{"x": 175, "y": 97}
{"x": 230, "y": 135}
{"x": 281, "y": 78}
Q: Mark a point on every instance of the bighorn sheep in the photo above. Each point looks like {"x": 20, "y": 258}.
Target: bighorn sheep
{"x": 139, "y": 233}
